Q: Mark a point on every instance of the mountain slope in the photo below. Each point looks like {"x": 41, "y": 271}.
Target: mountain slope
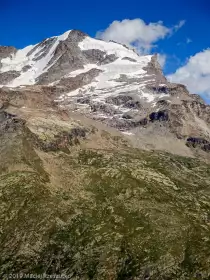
{"x": 77, "y": 194}
{"x": 108, "y": 212}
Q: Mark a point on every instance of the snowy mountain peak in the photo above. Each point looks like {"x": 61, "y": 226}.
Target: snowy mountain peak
{"x": 107, "y": 82}
{"x": 103, "y": 79}
{"x": 62, "y": 54}
{"x": 24, "y": 66}
{"x": 63, "y": 36}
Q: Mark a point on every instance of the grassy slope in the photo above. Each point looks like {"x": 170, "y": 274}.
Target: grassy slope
{"x": 102, "y": 214}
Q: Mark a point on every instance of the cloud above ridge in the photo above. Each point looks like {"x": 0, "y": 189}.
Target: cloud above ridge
{"x": 137, "y": 33}
{"x": 195, "y": 74}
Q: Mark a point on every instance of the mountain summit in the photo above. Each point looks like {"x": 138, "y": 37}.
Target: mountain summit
{"x": 104, "y": 165}
{"x": 55, "y": 57}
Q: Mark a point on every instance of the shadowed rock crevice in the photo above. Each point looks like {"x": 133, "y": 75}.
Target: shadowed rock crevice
{"x": 159, "y": 116}
{"x": 198, "y": 143}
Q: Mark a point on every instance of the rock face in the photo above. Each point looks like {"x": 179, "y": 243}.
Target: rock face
{"x": 77, "y": 195}
{"x": 154, "y": 68}
{"x": 7, "y": 51}
{"x": 7, "y": 77}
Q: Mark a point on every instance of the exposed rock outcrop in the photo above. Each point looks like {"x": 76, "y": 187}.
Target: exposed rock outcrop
{"x": 7, "y": 77}
{"x": 198, "y": 143}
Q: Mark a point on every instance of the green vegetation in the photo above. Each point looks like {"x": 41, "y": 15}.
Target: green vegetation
{"x": 103, "y": 214}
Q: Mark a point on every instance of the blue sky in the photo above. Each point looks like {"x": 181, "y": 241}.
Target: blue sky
{"x": 28, "y": 22}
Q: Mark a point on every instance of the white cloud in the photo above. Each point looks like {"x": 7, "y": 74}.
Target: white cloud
{"x": 195, "y": 74}
{"x": 137, "y": 33}
{"x": 179, "y": 25}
